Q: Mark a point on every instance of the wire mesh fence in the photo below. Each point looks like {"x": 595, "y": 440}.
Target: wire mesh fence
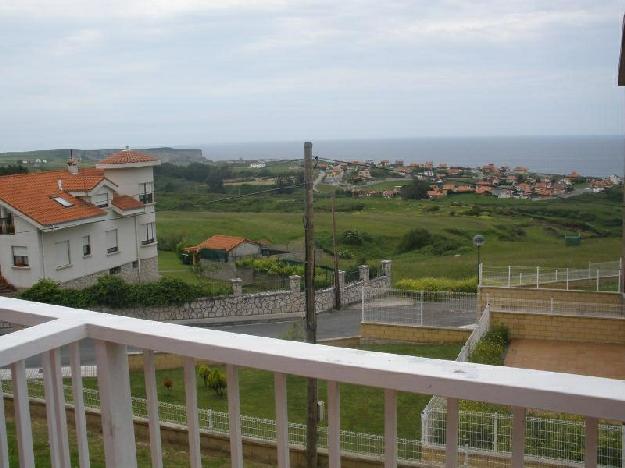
{"x": 419, "y": 308}
{"x": 604, "y": 276}
{"x": 550, "y": 306}
{"x": 546, "y": 439}
{"x": 484, "y": 438}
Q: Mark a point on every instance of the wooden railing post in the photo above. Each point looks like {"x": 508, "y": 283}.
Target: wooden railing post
{"x": 115, "y": 405}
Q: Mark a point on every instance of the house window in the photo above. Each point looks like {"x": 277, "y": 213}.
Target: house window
{"x": 146, "y": 192}
{"x": 63, "y": 258}
{"x": 149, "y": 231}
{"x": 20, "y": 256}
{"x": 111, "y": 241}
{"x": 101, "y": 200}
{"x": 86, "y": 246}
{"x": 7, "y": 225}
{"x": 115, "y": 270}
{"x": 63, "y": 202}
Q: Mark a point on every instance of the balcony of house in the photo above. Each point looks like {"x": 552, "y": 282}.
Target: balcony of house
{"x": 52, "y": 332}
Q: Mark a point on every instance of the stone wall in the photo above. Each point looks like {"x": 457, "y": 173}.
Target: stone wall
{"x": 561, "y": 328}
{"x": 130, "y": 272}
{"x": 248, "y": 307}
{"x": 382, "y": 332}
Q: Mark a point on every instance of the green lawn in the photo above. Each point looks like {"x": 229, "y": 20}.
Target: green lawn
{"x": 518, "y": 232}
{"x": 173, "y": 456}
{"x": 362, "y": 408}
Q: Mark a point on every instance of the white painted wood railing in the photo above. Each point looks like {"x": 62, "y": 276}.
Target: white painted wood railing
{"x": 51, "y": 327}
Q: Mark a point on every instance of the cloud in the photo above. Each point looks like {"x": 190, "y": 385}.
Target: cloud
{"x": 78, "y": 41}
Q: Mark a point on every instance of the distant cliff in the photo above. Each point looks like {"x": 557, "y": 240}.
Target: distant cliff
{"x": 173, "y": 155}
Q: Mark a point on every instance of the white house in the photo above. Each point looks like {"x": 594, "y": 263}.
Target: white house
{"x": 75, "y": 225}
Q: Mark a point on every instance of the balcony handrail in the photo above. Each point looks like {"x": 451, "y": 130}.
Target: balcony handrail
{"x": 584, "y": 395}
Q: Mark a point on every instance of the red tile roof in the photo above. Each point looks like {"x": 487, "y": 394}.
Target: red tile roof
{"x": 126, "y": 202}
{"x": 33, "y": 195}
{"x": 127, "y": 157}
{"x": 218, "y": 242}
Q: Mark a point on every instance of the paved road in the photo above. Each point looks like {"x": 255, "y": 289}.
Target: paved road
{"x": 336, "y": 324}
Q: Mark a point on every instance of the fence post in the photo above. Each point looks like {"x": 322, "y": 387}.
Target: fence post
{"x": 363, "y": 271}
{"x": 620, "y": 278}
{"x": 509, "y": 275}
{"x": 480, "y": 271}
{"x": 421, "y": 308}
{"x": 537, "y": 277}
{"x": 294, "y": 283}
{"x": 567, "y": 279}
{"x": 597, "y": 279}
{"x": 237, "y": 286}
{"x": 362, "y": 303}
{"x": 520, "y": 278}
{"x": 551, "y": 305}
{"x": 495, "y": 431}
{"x": 556, "y": 275}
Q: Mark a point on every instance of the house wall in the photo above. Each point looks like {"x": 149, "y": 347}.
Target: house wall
{"x": 245, "y": 249}
{"x": 25, "y": 235}
{"x": 128, "y": 179}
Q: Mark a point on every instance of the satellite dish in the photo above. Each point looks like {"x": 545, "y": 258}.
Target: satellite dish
{"x": 478, "y": 240}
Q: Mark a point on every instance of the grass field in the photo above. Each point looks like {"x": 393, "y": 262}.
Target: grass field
{"x": 172, "y": 456}
{"x": 518, "y": 232}
{"x": 362, "y": 408}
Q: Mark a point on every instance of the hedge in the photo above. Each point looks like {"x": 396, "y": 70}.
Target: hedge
{"x": 114, "y": 292}
{"x": 438, "y": 284}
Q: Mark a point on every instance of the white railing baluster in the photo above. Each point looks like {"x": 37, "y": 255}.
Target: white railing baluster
{"x": 4, "y": 444}
{"x": 55, "y": 409}
{"x": 193, "y": 423}
{"x": 149, "y": 373}
{"x": 282, "y": 421}
{"x": 23, "y": 427}
{"x": 590, "y": 443}
{"x": 234, "y": 416}
{"x": 334, "y": 424}
{"x": 390, "y": 428}
{"x": 451, "y": 434}
{"x": 115, "y": 405}
{"x": 80, "y": 419}
{"x": 518, "y": 437}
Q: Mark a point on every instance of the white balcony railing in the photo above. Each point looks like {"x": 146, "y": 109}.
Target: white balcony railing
{"x": 51, "y": 327}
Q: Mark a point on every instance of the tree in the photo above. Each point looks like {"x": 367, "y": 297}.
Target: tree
{"x": 416, "y": 190}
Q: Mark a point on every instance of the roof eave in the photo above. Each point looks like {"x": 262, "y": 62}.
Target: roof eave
{"x": 156, "y": 162}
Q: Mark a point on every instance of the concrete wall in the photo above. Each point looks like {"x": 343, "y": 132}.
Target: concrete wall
{"x": 561, "y": 328}
{"x": 381, "y": 332}
{"x": 548, "y": 294}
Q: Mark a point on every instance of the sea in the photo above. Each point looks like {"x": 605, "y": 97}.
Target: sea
{"x": 600, "y": 155}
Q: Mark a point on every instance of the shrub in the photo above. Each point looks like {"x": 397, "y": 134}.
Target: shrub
{"x": 168, "y": 384}
{"x": 415, "y": 239}
{"x": 438, "y": 284}
{"x": 217, "y": 381}
{"x": 355, "y": 237}
{"x": 114, "y": 292}
{"x": 492, "y": 347}
{"x": 431, "y": 208}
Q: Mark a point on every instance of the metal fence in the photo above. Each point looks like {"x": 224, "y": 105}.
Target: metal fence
{"x": 551, "y": 306}
{"x": 421, "y": 308}
{"x": 545, "y": 438}
{"x": 605, "y": 276}
{"x": 484, "y": 438}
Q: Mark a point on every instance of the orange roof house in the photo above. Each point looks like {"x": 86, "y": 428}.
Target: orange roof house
{"x": 219, "y": 242}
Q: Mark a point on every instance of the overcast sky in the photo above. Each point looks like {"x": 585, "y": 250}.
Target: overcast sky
{"x": 88, "y": 74}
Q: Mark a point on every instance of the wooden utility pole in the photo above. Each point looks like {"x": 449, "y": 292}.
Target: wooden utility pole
{"x": 337, "y": 285}
{"x": 621, "y": 82}
{"x": 311, "y": 317}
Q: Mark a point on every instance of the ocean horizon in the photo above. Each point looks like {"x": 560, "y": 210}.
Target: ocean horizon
{"x": 600, "y": 155}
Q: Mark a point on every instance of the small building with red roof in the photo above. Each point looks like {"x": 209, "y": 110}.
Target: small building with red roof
{"x": 224, "y": 248}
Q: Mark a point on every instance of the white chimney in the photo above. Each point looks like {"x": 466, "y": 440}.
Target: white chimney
{"x": 72, "y": 164}
{"x": 60, "y": 184}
